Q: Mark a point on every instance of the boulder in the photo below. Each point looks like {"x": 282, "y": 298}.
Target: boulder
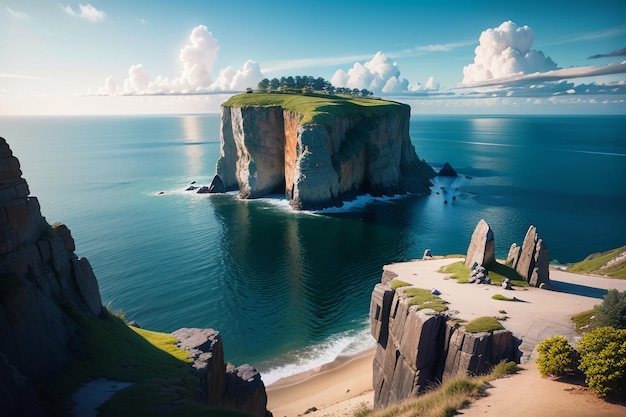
{"x": 482, "y": 247}
{"x": 217, "y": 185}
{"x": 513, "y": 256}
{"x": 533, "y": 264}
{"x": 447, "y": 171}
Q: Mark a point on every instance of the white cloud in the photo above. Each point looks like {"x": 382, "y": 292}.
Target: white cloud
{"x": 197, "y": 59}
{"x": 231, "y": 79}
{"x": 505, "y": 51}
{"x": 87, "y": 12}
{"x": 379, "y": 75}
{"x": 443, "y": 47}
{"x": 19, "y": 15}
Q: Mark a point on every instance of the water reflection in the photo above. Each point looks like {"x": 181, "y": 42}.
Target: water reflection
{"x": 193, "y": 135}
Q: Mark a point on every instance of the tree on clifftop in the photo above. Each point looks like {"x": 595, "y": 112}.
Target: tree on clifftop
{"x": 309, "y": 84}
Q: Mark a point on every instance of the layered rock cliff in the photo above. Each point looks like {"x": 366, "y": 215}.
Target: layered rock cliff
{"x": 417, "y": 348}
{"x": 269, "y": 150}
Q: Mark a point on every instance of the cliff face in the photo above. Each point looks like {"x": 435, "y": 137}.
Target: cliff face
{"x": 266, "y": 150}
{"x": 416, "y": 348}
{"x": 44, "y": 285}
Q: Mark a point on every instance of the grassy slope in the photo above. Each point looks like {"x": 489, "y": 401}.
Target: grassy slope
{"x": 163, "y": 383}
{"x": 316, "y": 108}
{"x": 593, "y": 263}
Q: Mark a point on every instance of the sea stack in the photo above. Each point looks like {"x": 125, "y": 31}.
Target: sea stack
{"x": 318, "y": 150}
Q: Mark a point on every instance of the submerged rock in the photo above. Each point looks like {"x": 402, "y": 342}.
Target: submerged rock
{"x": 217, "y": 185}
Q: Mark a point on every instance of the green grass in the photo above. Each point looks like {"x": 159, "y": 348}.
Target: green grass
{"x": 593, "y": 263}
{"x": 163, "y": 383}
{"x": 397, "y": 283}
{"x": 317, "y": 108}
{"x": 423, "y": 298}
{"x": 483, "y": 324}
{"x": 501, "y": 297}
{"x": 497, "y": 273}
{"x": 443, "y": 400}
{"x": 582, "y": 320}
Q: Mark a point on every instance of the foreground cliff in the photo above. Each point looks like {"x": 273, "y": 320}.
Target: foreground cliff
{"x": 318, "y": 150}
{"x": 55, "y": 334}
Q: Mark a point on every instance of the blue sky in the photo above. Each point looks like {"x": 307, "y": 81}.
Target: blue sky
{"x": 125, "y": 56}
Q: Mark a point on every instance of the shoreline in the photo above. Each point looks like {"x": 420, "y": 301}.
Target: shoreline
{"x": 344, "y": 384}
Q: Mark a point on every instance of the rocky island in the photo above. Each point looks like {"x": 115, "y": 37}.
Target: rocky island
{"x": 318, "y": 150}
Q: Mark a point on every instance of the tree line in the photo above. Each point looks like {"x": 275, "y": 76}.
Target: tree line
{"x": 309, "y": 84}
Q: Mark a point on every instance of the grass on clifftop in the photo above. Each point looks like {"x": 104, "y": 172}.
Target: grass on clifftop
{"x": 423, "y": 298}
{"x": 497, "y": 273}
{"x": 593, "y": 263}
{"x": 316, "y": 108}
{"x": 483, "y": 324}
{"x": 444, "y": 400}
{"x": 163, "y": 383}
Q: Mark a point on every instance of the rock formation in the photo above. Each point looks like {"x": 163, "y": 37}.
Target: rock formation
{"x": 482, "y": 246}
{"x": 533, "y": 259}
{"x": 416, "y": 348}
{"x": 447, "y": 171}
{"x": 44, "y": 285}
{"x": 267, "y": 150}
{"x": 222, "y": 384}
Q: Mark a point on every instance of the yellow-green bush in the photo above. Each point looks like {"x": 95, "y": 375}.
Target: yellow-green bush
{"x": 556, "y": 356}
{"x": 603, "y": 360}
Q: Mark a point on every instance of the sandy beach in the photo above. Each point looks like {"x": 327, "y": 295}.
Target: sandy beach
{"x": 339, "y": 388}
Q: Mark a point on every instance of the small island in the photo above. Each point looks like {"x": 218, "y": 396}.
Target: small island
{"x": 317, "y": 149}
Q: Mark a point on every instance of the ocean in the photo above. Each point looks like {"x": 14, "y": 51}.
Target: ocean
{"x": 289, "y": 290}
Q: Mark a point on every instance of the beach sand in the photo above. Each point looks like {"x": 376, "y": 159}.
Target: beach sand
{"x": 339, "y": 388}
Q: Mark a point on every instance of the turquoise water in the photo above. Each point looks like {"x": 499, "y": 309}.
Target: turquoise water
{"x": 290, "y": 290}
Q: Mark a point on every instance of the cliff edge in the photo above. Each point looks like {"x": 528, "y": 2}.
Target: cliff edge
{"x": 318, "y": 150}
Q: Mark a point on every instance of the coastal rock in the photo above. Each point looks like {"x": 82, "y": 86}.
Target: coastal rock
{"x": 217, "y": 185}
{"x": 447, "y": 171}
{"x": 482, "y": 246}
{"x": 533, "y": 264}
{"x": 513, "y": 256}
{"x": 266, "y": 150}
{"x": 222, "y": 384}
{"x": 416, "y": 348}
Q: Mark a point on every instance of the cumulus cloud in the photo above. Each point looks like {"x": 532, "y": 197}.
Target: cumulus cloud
{"x": 87, "y": 12}
{"x": 379, "y": 75}
{"x": 505, "y": 51}
{"x": 197, "y": 59}
{"x": 18, "y": 14}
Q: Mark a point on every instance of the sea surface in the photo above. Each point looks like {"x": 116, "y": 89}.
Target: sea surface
{"x": 290, "y": 290}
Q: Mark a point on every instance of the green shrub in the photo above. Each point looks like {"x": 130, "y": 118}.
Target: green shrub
{"x": 556, "y": 356}
{"x": 603, "y": 360}
{"x": 612, "y": 311}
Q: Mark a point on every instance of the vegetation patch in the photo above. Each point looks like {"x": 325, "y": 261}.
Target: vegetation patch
{"x": 593, "y": 264}
{"x": 423, "y": 298}
{"x": 556, "y": 357}
{"x": 582, "y": 320}
{"x": 443, "y": 400}
{"x": 163, "y": 383}
{"x": 497, "y": 273}
{"x": 316, "y": 108}
{"x": 501, "y": 297}
{"x": 398, "y": 283}
{"x": 483, "y": 324}
{"x": 603, "y": 360}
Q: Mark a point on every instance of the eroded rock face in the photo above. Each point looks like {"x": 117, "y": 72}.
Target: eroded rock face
{"x": 41, "y": 281}
{"x": 416, "y": 348}
{"x": 266, "y": 150}
{"x": 222, "y": 384}
{"x": 482, "y": 246}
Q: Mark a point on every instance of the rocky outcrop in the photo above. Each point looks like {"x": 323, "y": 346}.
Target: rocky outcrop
{"x": 42, "y": 283}
{"x": 533, "y": 262}
{"x": 266, "y": 150}
{"x": 222, "y": 384}
{"x": 417, "y": 348}
{"x": 447, "y": 171}
{"x": 482, "y": 246}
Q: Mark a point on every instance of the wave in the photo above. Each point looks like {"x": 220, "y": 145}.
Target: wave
{"x": 348, "y": 343}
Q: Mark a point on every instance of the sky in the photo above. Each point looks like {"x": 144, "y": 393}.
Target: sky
{"x": 186, "y": 56}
